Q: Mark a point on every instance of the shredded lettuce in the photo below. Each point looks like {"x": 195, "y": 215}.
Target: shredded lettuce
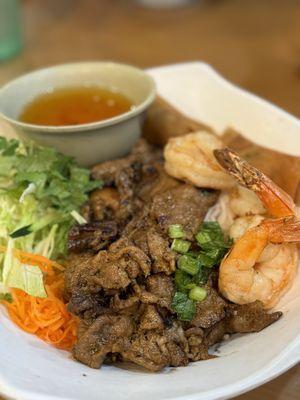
{"x": 21, "y": 276}
{"x": 41, "y": 192}
{"x": 78, "y": 218}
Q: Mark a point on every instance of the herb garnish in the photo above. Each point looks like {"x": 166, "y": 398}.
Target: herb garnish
{"x": 195, "y": 267}
{"x": 41, "y": 192}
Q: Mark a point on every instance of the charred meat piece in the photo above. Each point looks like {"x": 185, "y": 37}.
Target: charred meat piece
{"x": 118, "y": 304}
{"x": 85, "y": 298}
{"x": 210, "y": 311}
{"x": 183, "y": 205}
{"x": 161, "y": 286}
{"x": 244, "y": 318}
{"x": 142, "y": 152}
{"x": 157, "y": 289}
{"x": 216, "y": 333}
{"x": 162, "y": 256}
{"x": 92, "y": 236}
{"x": 250, "y": 317}
{"x": 126, "y": 182}
{"x": 90, "y": 278}
{"x": 128, "y": 175}
{"x": 155, "y": 181}
{"x": 145, "y": 234}
{"x": 148, "y": 351}
{"x": 108, "y": 171}
{"x": 197, "y": 344}
{"x": 147, "y": 153}
{"x": 151, "y": 319}
{"x": 155, "y": 351}
{"x": 107, "y": 334}
{"x": 88, "y": 305}
{"x": 177, "y": 345}
{"x": 113, "y": 270}
{"x": 104, "y": 203}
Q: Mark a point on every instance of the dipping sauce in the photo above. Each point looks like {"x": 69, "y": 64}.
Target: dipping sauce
{"x": 74, "y": 106}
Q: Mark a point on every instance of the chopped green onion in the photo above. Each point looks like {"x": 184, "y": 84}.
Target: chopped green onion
{"x": 197, "y": 293}
{"x": 214, "y": 245}
{"x": 205, "y": 260}
{"x": 188, "y": 264}
{"x": 183, "y": 281}
{"x": 180, "y": 245}
{"x": 203, "y": 275}
{"x": 176, "y": 231}
{"x": 183, "y": 306}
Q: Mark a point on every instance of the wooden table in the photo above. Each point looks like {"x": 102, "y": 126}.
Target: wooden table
{"x": 256, "y": 44}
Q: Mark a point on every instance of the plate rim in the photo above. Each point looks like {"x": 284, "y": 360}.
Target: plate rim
{"x": 288, "y": 357}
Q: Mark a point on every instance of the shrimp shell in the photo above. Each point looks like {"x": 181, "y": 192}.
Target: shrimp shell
{"x": 275, "y": 200}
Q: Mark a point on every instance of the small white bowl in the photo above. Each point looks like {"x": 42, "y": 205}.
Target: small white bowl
{"x": 87, "y": 143}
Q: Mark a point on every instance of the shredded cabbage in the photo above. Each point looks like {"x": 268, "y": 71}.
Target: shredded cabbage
{"x": 41, "y": 192}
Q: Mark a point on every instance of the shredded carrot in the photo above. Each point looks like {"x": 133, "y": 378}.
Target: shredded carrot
{"x": 45, "y": 264}
{"x": 47, "y": 318}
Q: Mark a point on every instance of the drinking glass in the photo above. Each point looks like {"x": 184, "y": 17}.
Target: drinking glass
{"x": 10, "y": 29}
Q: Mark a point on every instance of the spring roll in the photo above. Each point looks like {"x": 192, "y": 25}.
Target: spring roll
{"x": 164, "y": 121}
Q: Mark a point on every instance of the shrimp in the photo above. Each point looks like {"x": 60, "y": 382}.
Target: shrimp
{"x": 241, "y": 224}
{"x": 244, "y": 202}
{"x": 262, "y": 263}
{"x": 277, "y": 202}
{"x": 234, "y": 208}
{"x": 190, "y": 158}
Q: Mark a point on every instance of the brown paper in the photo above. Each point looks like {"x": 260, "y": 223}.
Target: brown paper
{"x": 164, "y": 121}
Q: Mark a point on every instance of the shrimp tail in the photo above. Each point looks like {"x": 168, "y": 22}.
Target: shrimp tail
{"x": 277, "y": 202}
{"x": 283, "y": 230}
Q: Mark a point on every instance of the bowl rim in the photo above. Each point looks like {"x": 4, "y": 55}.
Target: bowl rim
{"x": 57, "y": 129}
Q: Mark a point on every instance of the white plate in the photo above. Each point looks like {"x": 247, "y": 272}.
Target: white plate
{"x": 31, "y": 370}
